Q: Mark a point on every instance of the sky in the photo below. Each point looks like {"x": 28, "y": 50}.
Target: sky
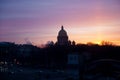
{"x": 39, "y": 21}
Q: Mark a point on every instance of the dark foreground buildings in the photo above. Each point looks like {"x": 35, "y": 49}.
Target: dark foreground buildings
{"x": 81, "y": 61}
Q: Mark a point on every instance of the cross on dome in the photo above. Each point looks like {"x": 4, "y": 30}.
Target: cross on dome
{"x": 62, "y": 27}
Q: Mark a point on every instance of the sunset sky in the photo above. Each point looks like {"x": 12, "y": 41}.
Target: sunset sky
{"x": 40, "y": 20}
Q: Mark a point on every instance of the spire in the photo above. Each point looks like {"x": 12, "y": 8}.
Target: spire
{"x": 62, "y": 27}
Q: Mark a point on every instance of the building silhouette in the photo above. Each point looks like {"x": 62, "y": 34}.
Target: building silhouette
{"x": 62, "y": 38}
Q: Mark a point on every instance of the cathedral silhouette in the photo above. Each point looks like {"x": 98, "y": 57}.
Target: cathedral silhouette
{"x": 62, "y": 38}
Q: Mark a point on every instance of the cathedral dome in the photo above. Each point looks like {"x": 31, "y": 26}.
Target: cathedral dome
{"x": 62, "y": 38}
{"x": 62, "y": 32}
